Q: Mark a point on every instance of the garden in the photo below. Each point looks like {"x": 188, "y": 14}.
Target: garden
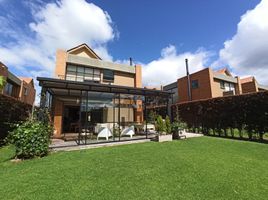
{"x": 196, "y": 168}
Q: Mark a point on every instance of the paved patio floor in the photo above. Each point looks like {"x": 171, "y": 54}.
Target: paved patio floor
{"x": 61, "y": 145}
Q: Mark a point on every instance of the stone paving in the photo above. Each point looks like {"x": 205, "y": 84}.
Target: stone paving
{"x": 61, "y": 145}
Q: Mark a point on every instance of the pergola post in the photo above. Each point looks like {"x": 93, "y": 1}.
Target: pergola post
{"x": 146, "y": 121}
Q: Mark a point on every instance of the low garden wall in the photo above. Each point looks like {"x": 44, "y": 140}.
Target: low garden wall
{"x": 223, "y": 116}
{"x": 12, "y": 111}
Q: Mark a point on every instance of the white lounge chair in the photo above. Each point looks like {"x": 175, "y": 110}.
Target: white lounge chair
{"x": 150, "y": 128}
{"x": 129, "y": 131}
{"x": 104, "y": 133}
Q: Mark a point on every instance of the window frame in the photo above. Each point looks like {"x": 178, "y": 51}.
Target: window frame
{"x": 196, "y": 85}
{"x": 80, "y": 75}
{"x": 108, "y": 79}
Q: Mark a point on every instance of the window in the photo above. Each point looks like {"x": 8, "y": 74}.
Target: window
{"x": 8, "y": 89}
{"x": 195, "y": 84}
{"x": 80, "y": 73}
{"x": 108, "y": 75}
{"x": 25, "y": 91}
{"x": 222, "y": 85}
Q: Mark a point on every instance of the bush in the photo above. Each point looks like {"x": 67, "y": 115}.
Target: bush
{"x": 168, "y": 125}
{"x": 223, "y": 114}
{"x": 160, "y": 125}
{"x": 12, "y": 111}
{"x": 31, "y": 139}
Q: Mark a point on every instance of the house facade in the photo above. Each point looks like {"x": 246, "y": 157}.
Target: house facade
{"x": 87, "y": 93}
{"x": 250, "y": 84}
{"x": 20, "y": 88}
{"x": 205, "y": 84}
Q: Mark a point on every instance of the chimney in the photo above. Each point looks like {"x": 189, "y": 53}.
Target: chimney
{"x": 188, "y": 80}
{"x": 130, "y": 61}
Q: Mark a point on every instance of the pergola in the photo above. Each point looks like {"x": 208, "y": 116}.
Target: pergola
{"x": 59, "y": 88}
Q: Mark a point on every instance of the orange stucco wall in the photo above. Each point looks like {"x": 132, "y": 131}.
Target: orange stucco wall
{"x": 202, "y": 92}
{"x": 30, "y": 96}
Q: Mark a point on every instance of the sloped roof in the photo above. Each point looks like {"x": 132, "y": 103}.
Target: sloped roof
{"x": 247, "y": 79}
{"x": 224, "y": 71}
{"x": 84, "y": 45}
{"x": 28, "y": 80}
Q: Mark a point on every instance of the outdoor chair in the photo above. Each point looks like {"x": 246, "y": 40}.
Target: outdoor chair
{"x": 104, "y": 133}
{"x": 128, "y": 131}
{"x": 182, "y": 134}
{"x": 150, "y": 128}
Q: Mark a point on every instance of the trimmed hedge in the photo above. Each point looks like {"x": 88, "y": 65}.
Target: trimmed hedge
{"x": 242, "y": 112}
{"x": 12, "y": 111}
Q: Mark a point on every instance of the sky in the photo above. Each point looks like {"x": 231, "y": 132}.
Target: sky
{"x": 159, "y": 35}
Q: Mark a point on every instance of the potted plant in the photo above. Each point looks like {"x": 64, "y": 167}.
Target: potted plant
{"x": 163, "y": 128}
{"x": 177, "y": 127}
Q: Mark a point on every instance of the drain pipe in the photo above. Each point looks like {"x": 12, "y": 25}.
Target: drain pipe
{"x": 189, "y": 81}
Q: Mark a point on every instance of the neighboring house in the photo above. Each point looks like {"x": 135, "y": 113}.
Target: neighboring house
{"x": 19, "y": 88}
{"x": 250, "y": 84}
{"x": 88, "y": 93}
{"x": 205, "y": 84}
{"x": 172, "y": 87}
{"x": 27, "y": 90}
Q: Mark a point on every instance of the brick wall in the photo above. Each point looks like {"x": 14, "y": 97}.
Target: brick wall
{"x": 30, "y": 96}
{"x": 204, "y": 86}
{"x": 249, "y": 87}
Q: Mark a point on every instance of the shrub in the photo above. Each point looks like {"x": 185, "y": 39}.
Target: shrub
{"x": 160, "y": 125}
{"x": 247, "y": 111}
{"x": 12, "y": 111}
{"x": 31, "y": 139}
{"x": 168, "y": 125}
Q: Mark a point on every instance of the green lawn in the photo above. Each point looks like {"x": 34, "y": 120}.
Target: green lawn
{"x": 198, "y": 168}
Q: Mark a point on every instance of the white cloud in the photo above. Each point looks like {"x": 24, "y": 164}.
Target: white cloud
{"x": 246, "y": 52}
{"x": 70, "y": 22}
{"x": 62, "y": 24}
{"x": 171, "y": 65}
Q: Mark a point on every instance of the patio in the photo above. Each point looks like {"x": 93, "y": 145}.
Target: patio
{"x": 89, "y": 112}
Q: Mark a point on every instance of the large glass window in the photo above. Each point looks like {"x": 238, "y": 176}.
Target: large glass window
{"x": 80, "y": 73}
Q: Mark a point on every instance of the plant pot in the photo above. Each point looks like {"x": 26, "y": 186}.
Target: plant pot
{"x": 164, "y": 138}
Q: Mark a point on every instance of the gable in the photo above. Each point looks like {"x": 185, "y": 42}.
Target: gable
{"x": 83, "y": 51}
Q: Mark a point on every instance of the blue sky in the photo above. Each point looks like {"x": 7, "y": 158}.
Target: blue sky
{"x": 157, "y": 34}
{"x": 148, "y": 26}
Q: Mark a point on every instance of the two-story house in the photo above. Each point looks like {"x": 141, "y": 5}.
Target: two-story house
{"x": 205, "y": 84}
{"x": 88, "y": 93}
{"x": 20, "y": 88}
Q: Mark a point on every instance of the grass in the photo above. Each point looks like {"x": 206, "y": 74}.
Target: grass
{"x": 198, "y": 168}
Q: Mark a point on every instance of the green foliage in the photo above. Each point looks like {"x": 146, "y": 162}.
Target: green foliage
{"x": 31, "y": 139}
{"x": 151, "y": 117}
{"x": 2, "y": 83}
{"x": 12, "y": 112}
{"x": 243, "y": 112}
{"x": 161, "y": 127}
{"x": 168, "y": 125}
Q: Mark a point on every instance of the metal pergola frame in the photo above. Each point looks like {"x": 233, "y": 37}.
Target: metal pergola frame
{"x": 51, "y": 84}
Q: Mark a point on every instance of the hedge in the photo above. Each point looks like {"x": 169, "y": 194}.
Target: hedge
{"x": 241, "y": 112}
{"x": 12, "y": 111}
